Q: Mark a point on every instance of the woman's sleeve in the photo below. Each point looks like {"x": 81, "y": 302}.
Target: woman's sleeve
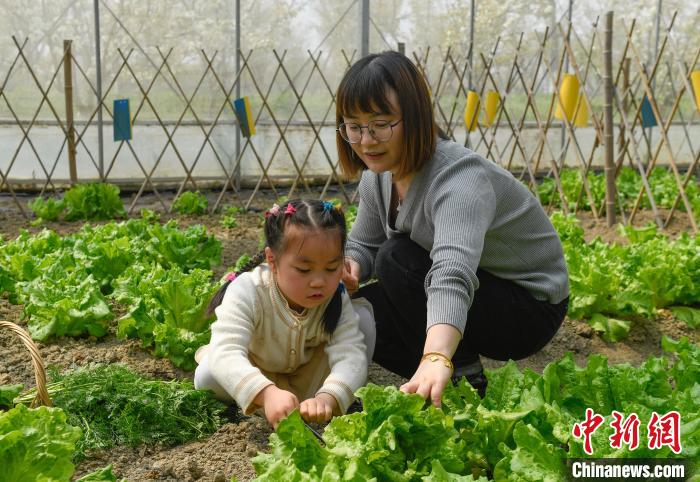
{"x": 462, "y": 206}
{"x": 346, "y": 357}
{"x": 230, "y": 337}
{"x": 367, "y": 232}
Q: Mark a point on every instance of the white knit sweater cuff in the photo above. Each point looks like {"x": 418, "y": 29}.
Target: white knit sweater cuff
{"x": 248, "y": 389}
{"x": 340, "y": 391}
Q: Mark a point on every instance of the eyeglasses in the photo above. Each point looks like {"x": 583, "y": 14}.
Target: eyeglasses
{"x": 380, "y": 130}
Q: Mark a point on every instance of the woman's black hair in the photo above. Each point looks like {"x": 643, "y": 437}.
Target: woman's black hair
{"x": 365, "y": 87}
{"x": 308, "y": 214}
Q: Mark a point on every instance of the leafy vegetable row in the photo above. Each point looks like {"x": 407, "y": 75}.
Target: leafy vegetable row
{"x": 613, "y": 280}
{"x": 521, "y": 431}
{"x": 159, "y": 272}
{"x": 662, "y": 183}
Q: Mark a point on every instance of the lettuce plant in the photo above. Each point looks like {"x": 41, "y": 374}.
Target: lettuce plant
{"x": 46, "y": 209}
{"x": 166, "y": 310}
{"x": 95, "y": 201}
{"x": 65, "y": 303}
{"x": 191, "y": 203}
{"x": 36, "y": 444}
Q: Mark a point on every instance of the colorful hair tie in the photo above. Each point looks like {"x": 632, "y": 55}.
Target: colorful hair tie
{"x": 290, "y": 210}
{"x": 327, "y": 206}
{"x": 231, "y": 276}
{"x": 273, "y": 211}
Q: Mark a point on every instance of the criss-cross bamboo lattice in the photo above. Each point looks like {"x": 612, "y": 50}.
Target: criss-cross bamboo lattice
{"x": 525, "y": 135}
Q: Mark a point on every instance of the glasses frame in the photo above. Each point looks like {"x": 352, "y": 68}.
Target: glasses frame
{"x": 391, "y": 126}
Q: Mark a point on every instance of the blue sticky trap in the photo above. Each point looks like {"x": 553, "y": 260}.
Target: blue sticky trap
{"x": 122, "y": 120}
{"x": 648, "y": 117}
{"x": 245, "y": 116}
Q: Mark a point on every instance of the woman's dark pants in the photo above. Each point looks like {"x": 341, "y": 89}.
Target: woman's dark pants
{"x": 504, "y": 320}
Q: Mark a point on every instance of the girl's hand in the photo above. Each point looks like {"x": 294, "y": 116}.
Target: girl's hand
{"x": 318, "y": 409}
{"x": 351, "y": 275}
{"x": 277, "y": 404}
{"x": 429, "y": 381}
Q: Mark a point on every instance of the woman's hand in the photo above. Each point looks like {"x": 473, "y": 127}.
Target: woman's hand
{"x": 318, "y": 409}
{"x": 351, "y": 275}
{"x": 277, "y": 404}
{"x": 429, "y": 381}
{"x": 432, "y": 377}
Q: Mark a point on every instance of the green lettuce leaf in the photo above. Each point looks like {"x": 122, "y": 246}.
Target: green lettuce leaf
{"x": 101, "y": 475}
{"x": 191, "y": 203}
{"x": 8, "y": 393}
{"x": 46, "y": 209}
{"x": 36, "y": 445}
{"x": 612, "y": 330}
{"x": 94, "y": 201}
{"x": 167, "y": 309}
{"x": 691, "y": 316}
{"x": 65, "y": 303}
{"x": 533, "y": 460}
{"x": 188, "y": 249}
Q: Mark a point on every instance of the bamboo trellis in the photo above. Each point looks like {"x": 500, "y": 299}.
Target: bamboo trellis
{"x": 525, "y": 136}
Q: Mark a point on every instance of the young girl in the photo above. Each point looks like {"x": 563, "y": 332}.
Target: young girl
{"x": 287, "y": 334}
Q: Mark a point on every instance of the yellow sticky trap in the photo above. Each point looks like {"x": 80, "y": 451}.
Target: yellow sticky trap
{"x": 249, "y": 116}
{"x": 471, "y": 111}
{"x": 491, "y": 107}
{"x": 568, "y": 94}
{"x": 695, "y": 79}
{"x": 582, "y": 114}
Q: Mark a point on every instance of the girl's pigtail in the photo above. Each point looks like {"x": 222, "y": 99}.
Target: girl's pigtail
{"x": 331, "y": 316}
{"x": 254, "y": 262}
{"x": 219, "y": 295}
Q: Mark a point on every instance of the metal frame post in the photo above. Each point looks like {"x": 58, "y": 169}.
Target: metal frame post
{"x": 364, "y": 21}
{"x": 471, "y": 42}
{"x": 98, "y": 87}
{"x": 237, "y": 173}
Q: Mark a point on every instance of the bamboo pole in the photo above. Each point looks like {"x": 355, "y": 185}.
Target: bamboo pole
{"x": 608, "y": 116}
{"x": 70, "y": 132}
{"x": 625, "y": 104}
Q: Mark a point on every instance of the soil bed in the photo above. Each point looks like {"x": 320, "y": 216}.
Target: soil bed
{"x": 227, "y": 453}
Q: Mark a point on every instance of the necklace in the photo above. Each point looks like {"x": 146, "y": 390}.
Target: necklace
{"x": 399, "y": 199}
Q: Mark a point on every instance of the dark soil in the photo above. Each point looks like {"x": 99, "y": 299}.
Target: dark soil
{"x": 228, "y": 452}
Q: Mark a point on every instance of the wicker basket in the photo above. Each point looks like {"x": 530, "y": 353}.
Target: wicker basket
{"x": 42, "y": 395}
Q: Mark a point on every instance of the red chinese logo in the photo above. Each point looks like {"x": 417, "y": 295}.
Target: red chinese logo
{"x": 665, "y": 430}
{"x": 587, "y": 428}
{"x": 626, "y": 430}
{"x": 661, "y": 430}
